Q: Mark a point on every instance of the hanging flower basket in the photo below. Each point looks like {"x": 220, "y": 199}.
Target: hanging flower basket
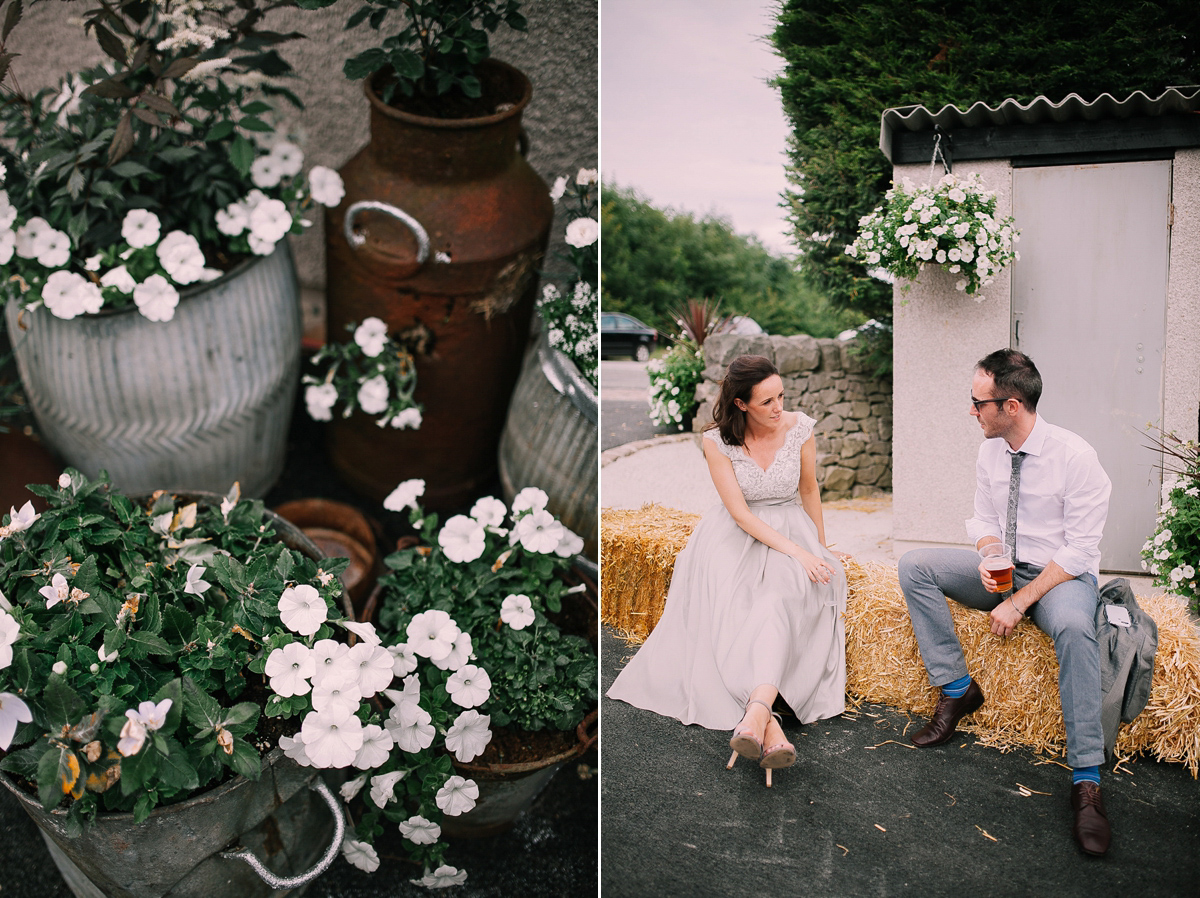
{"x": 953, "y": 224}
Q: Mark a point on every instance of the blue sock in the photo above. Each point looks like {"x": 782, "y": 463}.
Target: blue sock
{"x": 958, "y": 689}
{"x": 1085, "y": 775}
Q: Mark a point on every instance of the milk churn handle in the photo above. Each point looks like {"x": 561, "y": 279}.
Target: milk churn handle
{"x": 290, "y": 882}
{"x": 356, "y": 240}
{"x": 523, "y": 142}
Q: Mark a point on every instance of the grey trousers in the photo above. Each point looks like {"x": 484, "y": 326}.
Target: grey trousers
{"x": 1067, "y": 614}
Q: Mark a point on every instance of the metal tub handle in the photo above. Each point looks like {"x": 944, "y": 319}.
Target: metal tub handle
{"x": 356, "y": 240}
{"x": 290, "y": 882}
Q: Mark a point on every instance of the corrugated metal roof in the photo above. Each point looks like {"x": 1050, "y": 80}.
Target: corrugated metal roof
{"x": 1072, "y": 108}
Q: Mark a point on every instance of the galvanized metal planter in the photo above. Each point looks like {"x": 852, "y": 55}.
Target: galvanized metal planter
{"x": 177, "y": 851}
{"x": 191, "y": 404}
{"x": 550, "y": 439}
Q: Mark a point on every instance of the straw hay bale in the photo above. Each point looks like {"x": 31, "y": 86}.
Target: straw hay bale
{"x": 637, "y": 555}
{"x": 1019, "y": 675}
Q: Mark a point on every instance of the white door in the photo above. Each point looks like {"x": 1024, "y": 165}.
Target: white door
{"x": 1089, "y": 307}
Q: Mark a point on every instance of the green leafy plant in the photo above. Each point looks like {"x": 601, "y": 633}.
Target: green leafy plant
{"x": 132, "y": 633}
{"x": 569, "y": 314}
{"x": 952, "y": 224}
{"x": 673, "y": 382}
{"x": 156, "y": 170}
{"x": 437, "y": 50}
{"x": 1172, "y": 553}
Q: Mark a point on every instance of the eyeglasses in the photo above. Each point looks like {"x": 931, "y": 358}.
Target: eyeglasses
{"x": 978, "y": 403}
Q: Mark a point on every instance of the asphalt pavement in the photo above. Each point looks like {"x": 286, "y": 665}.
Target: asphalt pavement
{"x": 862, "y": 812}
{"x": 624, "y": 404}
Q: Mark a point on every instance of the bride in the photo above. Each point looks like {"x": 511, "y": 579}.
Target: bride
{"x": 755, "y": 608}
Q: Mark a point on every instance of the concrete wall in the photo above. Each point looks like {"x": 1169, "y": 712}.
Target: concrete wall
{"x": 559, "y": 53}
{"x": 940, "y": 334}
{"x": 1181, "y": 358}
{"x": 824, "y": 379}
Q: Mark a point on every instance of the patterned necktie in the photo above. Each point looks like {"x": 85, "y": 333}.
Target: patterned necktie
{"x": 1014, "y": 487}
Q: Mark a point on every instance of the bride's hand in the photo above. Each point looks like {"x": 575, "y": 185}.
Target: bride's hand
{"x": 839, "y": 555}
{"x": 817, "y": 569}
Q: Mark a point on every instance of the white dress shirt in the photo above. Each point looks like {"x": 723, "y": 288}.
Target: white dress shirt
{"x": 1062, "y": 503}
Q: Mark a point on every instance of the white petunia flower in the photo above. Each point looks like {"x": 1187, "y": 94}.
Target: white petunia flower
{"x": 587, "y": 176}
{"x": 294, "y": 749}
{"x": 529, "y": 499}
{"x": 8, "y": 245}
{"x": 457, "y": 796}
{"x": 150, "y": 715}
{"x": 194, "y": 585}
{"x": 326, "y": 185}
{"x": 289, "y": 158}
{"x": 559, "y": 188}
{"x": 409, "y": 417}
{"x": 365, "y": 632}
{"x": 373, "y": 664}
{"x": 19, "y": 520}
{"x": 420, "y": 831}
{"x": 371, "y": 336}
{"x": 266, "y": 172}
{"x": 376, "y": 747}
{"x": 328, "y": 655}
{"x": 12, "y": 712}
{"x": 583, "y": 232}
{"x": 270, "y": 220}
{"x": 404, "y": 659}
{"x": 469, "y": 735}
{"x": 460, "y": 653}
{"x": 517, "y": 611}
{"x": 360, "y": 854}
{"x": 133, "y": 737}
{"x": 28, "y": 236}
{"x": 52, "y": 248}
{"x": 65, "y": 295}
{"x": 410, "y": 726}
{"x": 462, "y": 539}
{"x": 289, "y": 669}
{"x": 405, "y": 495}
{"x": 383, "y": 787}
{"x": 539, "y": 532}
{"x": 119, "y": 279}
{"x": 105, "y": 656}
{"x": 181, "y": 257}
{"x": 320, "y": 399}
{"x": 336, "y": 695}
{"x": 59, "y": 667}
{"x": 373, "y": 395}
{"x": 331, "y": 738}
{"x": 9, "y": 631}
{"x": 431, "y": 634}
{"x": 233, "y": 219}
{"x": 140, "y": 228}
{"x": 56, "y": 592}
{"x": 8, "y": 212}
{"x": 441, "y": 878}
{"x": 351, "y": 788}
{"x": 570, "y": 544}
{"x": 302, "y": 609}
{"x": 489, "y": 511}
{"x": 469, "y": 686}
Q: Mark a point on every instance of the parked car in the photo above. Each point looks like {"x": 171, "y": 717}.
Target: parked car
{"x": 622, "y": 334}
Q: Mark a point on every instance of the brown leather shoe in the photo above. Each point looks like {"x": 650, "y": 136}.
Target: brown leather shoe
{"x": 1091, "y": 822}
{"x": 947, "y": 715}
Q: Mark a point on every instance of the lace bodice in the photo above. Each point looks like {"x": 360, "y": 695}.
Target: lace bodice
{"x": 782, "y": 478}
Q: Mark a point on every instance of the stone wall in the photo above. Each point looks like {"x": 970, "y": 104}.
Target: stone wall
{"x": 824, "y": 379}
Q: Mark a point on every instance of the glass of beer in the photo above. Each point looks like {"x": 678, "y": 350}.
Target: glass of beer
{"x": 997, "y": 560}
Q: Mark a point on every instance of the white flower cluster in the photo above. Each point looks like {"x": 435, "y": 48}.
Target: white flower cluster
{"x": 673, "y": 383}
{"x": 373, "y": 389}
{"x": 535, "y": 528}
{"x": 571, "y": 322}
{"x": 1172, "y": 554}
{"x": 953, "y": 224}
{"x": 187, "y": 28}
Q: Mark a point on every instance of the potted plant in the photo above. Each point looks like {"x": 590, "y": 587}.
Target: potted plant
{"x": 1171, "y": 555}
{"x": 440, "y": 235}
{"x": 952, "y": 224}
{"x": 484, "y": 599}
{"x": 550, "y": 435}
{"x": 145, "y": 204}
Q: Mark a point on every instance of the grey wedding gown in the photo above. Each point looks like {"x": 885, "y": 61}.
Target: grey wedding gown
{"x": 740, "y": 614}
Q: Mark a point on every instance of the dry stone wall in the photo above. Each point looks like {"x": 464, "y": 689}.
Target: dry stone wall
{"x": 824, "y": 379}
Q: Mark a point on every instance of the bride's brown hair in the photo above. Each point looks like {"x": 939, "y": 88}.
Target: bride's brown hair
{"x": 745, "y": 373}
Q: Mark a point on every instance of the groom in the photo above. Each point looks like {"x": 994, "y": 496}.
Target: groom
{"x": 1041, "y": 490}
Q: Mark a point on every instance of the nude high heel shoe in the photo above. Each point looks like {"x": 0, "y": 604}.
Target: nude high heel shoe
{"x": 743, "y": 741}
{"x": 781, "y": 754}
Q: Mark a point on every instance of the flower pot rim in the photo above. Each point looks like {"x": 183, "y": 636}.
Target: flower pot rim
{"x": 564, "y": 376}
{"x": 272, "y": 758}
{"x": 427, "y": 121}
{"x": 585, "y": 735}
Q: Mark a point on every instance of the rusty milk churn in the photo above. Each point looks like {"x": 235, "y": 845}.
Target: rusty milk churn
{"x": 441, "y": 234}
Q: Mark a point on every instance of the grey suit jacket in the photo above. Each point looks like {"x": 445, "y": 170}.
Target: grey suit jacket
{"x": 1126, "y": 660}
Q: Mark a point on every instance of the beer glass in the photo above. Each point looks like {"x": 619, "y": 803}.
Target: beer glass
{"x": 997, "y": 560}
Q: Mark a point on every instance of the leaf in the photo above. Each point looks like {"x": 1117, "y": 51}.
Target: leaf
{"x": 253, "y": 123}
{"x": 111, "y": 89}
{"x": 122, "y": 141}
{"x": 159, "y": 103}
{"x": 364, "y": 64}
{"x": 201, "y": 709}
{"x": 241, "y": 154}
{"x": 241, "y": 718}
{"x": 11, "y": 17}
{"x": 244, "y": 760}
{"x": 180, "y": 66}
{"x": 6, "y": 60}
{"x": 62, "y": 703}
{"x": 111, "y": 44}
{"x": 24, "y": 762}
{"x": 175, "y": 770}
{"x": 47, "y": 778}
{"x": 141, "y": 644}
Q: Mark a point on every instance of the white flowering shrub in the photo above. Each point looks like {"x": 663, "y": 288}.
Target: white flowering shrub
{"x": 570, "y": 313}
{"x": 1172, "y": 553}
{"x": 953, "y": 224}
{"x": 673, "y": 382}
{"x": 372, "y": 373}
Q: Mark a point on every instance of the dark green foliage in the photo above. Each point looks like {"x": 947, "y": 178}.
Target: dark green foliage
{"x": 848, "y": 61}
{"x": 655, "y": 261}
